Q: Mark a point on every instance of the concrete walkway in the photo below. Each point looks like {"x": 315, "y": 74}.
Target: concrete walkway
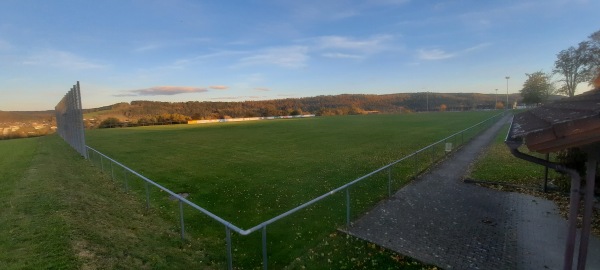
{"x": 438, "y": 219}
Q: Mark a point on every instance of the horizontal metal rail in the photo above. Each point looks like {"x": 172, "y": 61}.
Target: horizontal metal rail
{"x": 177, "y": 196}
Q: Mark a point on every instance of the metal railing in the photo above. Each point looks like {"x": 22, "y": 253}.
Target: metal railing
{"x": 449, "y": 144}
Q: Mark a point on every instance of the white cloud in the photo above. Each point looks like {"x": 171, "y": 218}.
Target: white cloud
{"x": 388, "y": 2}
{"x": 434, "y": 54}
{"x": 264, "y": 89}
{"x": 182, "y": 63}
{"x": 342, "y": 56}
{"x": 61, "y": 59}
{"x": 477, "y": 47}
{"x": 369, "y": 45}
{"x": 148, "y": 47}
{"x": 166, "y": 90}
{"x": 287, "y": 57}
{"x": 341, "y": 47}
{"x": 317, "y": 10}
{"x": 157, "y": 45}
{"x": 439, "y": 54}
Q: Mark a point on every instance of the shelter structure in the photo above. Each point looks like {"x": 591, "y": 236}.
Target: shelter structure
{"x": 568, "y": 123}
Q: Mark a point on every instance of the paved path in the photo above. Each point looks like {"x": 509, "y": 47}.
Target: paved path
{"x": 439, "y": 219}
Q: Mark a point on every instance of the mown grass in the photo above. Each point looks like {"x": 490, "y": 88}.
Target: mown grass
{"x": 250, "y": 172}
{"x": 499, "y": 165}
{"x": 59, "y": 212}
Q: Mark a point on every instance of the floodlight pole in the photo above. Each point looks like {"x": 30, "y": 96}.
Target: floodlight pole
{"x": 496, "y": 100}
{"x": 427, "y": 100}
{"x": 507, "y": 77}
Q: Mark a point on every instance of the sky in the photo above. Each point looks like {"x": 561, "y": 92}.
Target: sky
{"x": 192, "y": 50}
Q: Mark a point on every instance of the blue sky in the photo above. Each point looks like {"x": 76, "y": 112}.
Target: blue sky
{"x": 182, "y": 50}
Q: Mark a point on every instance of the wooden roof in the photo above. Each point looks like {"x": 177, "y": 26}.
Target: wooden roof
{"x": 570, "y": 122}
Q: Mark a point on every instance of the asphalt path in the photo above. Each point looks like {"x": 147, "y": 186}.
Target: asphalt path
{"x": 441, "y": 220}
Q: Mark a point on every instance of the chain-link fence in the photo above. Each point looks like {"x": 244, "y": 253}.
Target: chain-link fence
{"x": 69, "y": 120}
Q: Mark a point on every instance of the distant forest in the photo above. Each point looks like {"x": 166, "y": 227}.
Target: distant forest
{"x": 154, "y": 112}
{"x": 319, "y": 105}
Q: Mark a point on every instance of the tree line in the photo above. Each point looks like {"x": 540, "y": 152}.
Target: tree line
{"x": 153, "y": 112}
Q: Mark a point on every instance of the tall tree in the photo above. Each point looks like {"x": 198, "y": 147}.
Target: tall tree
{"x": 537, "y": 88}
{"x": 574, "y": 65}
{"x": 580, "y": 64}
{"x": 594, "y": 53}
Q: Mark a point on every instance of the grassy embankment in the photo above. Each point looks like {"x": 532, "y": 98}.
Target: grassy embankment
{"x": 250, "y": 172}
{"x": 59, "y": 212}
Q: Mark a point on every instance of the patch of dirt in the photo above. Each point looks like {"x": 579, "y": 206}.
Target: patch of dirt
{"x": 84, "y": 255}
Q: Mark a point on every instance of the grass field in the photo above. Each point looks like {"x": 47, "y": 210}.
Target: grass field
{"x": 250, "y": 172}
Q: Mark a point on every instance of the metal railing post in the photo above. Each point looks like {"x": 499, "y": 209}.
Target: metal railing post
{"x": 112, "y": 172}
{"x": 416, "y": 163}
{"x": 147, "y": 195}
{"x": 431, "y": 154}
{"x": 546, "y": 174}
{"x": 126, "y": 180}
{"x": 181, "y": 220}
{"x": 229, "y": 255}
{"x": 444, "y": 147}
{"x": 390, "y": 181}
{"x": 347, "y": 207}
{"x": 264, "y": 248}
{"x": 101, "y": 163}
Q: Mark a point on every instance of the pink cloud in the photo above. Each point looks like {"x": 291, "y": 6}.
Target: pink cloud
{"x": 219, "y": 87}
{"x": 168, "y": 90}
